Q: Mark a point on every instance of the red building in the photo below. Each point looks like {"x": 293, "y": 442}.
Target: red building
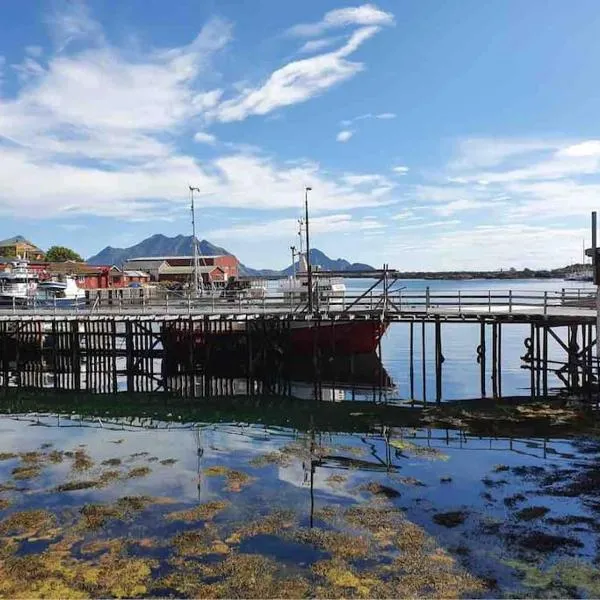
{"x": 216, "y": 269}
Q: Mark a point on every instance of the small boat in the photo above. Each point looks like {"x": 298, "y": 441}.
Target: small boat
{"x": 585, "y": 274}
{"x": 58, "y": 293}
{"x": 18, "y": 283}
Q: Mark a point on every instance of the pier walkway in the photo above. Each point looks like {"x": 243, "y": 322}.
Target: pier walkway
{"x": 569, "y": 305}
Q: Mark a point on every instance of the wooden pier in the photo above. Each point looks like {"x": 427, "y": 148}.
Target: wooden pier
{"x": 115, "y": 343}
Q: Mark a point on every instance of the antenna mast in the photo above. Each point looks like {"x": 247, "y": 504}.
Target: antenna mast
{"x": 196, "y": 284}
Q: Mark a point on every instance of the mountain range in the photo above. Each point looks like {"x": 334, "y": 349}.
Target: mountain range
{"x": 181, "y": 245}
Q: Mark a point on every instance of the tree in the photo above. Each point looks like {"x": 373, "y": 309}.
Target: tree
{"x": 62, "y": 254}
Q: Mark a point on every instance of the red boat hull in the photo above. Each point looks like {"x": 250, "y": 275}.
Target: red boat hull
{"x": 304, "y": 337}
{"x": 339, "y": 338}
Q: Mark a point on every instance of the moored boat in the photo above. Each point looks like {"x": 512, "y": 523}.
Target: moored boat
{"x": 18, "y": 284}
{"x": 58, "y": 293}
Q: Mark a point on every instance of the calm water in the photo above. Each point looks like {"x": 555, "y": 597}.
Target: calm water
{"x": 259, "y": 497}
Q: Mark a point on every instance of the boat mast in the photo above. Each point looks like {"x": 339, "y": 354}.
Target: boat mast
{"x": 196, "y": 284}
{"x": 310, "y": 290}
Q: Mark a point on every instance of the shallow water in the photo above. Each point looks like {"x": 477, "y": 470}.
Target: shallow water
{"x": 382, "y": 504}
{"x": 237, "y": 491}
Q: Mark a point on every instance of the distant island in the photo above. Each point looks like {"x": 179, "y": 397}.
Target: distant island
{"x": 181, "y": 245}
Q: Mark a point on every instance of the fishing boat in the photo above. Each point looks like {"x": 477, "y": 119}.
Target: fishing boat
{"x": 58, "y": 293}
{"x": 301, "y": 337}
{"x": 18, "y": 283}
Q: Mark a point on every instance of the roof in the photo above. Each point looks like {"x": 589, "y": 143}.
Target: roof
{"x": 169, "y": 270}
{"x": 135, "y": 274}
{"x": 77, "y": 268}
{"x": 17, "y": 239}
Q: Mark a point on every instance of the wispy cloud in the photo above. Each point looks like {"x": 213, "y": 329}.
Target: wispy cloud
{"x": 286, "y": 228}
{"x": 312, "y": 46}
{"x": 400, "y": 170}
{"x": 97, "y": 130}
{"x": 296, "y": 82}
{"x": 384, "y": 116}
{"x": 365, "y": 15}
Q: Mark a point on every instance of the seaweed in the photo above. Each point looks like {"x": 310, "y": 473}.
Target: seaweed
{"x": 451, "y": 518}
{"x": 532, "y": 512}
{"x": 202, "y": 512}
{"x": 138, "y": 472}
{"x": 236, "y": 480}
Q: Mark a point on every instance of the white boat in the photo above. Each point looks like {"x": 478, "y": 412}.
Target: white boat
{"x": 585, "y": 274}
{"x": 59, "y": 293}
{"x": 296, "y": 286}
{"x": 18, "y": 283}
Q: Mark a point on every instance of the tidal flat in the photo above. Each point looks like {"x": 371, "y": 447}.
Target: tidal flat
{"x": 129, "y": 508}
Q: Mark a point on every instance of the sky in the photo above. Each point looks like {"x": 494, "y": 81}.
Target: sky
{"x": 434, "y": 135}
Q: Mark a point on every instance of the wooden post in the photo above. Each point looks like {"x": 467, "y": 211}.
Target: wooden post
{"x": 545, "y": 361}
{"x": 438, "y": 360}
{"x": 482, "y": 356}
{"x": 423, "y": 362}
{"x": 494, "y": 360}
{"x": 499, "y": 357}
{"x": 412, "y": 361}
{"x": 129, "y": 349}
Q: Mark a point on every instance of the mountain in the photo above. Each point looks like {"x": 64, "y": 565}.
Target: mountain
{"x": 318, "y": 258}
{"x": 156, "y": 245}
{"x": 181, "y": 245}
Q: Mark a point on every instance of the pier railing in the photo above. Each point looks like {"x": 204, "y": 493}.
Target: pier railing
{"x": 386, "y": 302}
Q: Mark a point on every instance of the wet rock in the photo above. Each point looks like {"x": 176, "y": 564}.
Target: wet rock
{"x": 451, "y": 519}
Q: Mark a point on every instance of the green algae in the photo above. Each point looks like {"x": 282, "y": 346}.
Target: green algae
{"x": 112, "y": 462}
{"x": 167, "y": 462}
{"x": 4, "y": 503}
{"x": 280, "y": 459}
{"x": 566, "y": 578}
{"x": 8, "y": 455}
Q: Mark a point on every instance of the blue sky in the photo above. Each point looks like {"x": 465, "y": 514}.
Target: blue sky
{"x": 435, "y": 135}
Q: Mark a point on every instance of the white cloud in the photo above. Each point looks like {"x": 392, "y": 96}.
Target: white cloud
{"x": 204, "y": 138}
{"x": 344, "y": 136}
{"x": 96, "y": 131}
{"x": 316, "y": 45}
{"x": 287, "y": 228}
{"x": 476, "y": 153}
{"x": 296, "y": 81}
{"x": 384, "y": 116}
{"x": 400, "y": 170}
{"x": 365, "y": 15}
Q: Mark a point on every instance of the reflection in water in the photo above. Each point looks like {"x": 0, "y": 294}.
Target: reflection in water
{"x": 220, "y": 508}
